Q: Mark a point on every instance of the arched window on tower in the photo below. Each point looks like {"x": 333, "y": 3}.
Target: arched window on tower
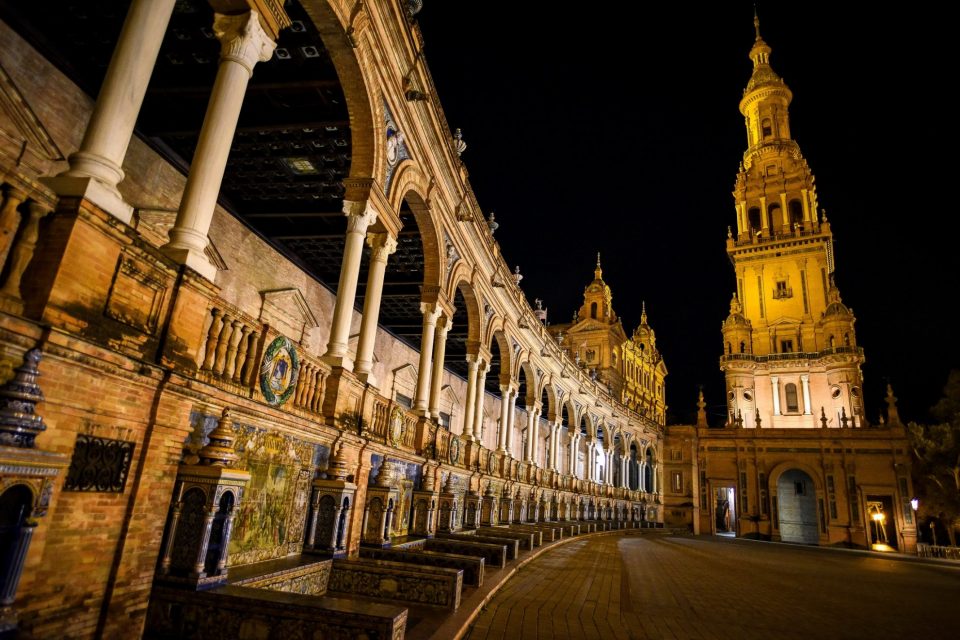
{"x": 796, "y": 214}
{"x": 833, "y": 342}
{"x": 743, "y": 347}
{"x": 846, "y": 339}
{"x": 729, "y": 349}
{"x": 593, "y": 310}
{"x": 753, "y": 218}
{"x": 766, "y": 128}
{"x": 790, "y": 390}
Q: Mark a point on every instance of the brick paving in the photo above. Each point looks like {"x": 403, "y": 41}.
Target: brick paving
{"x": 657, "y": 586}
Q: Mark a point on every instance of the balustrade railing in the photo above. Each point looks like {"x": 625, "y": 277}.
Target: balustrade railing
{"x": 21, "y": 211}
{"x": 925, "y": 550}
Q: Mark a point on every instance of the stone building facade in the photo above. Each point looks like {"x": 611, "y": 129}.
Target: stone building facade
{"x": 797, "y": 459}
{"x": 234, "y": 336}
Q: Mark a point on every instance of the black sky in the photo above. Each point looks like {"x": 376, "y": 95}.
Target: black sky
{"x": 613, "y": 127}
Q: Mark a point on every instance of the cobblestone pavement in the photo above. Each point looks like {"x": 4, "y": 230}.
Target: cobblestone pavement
{"x": 657, "y": 586}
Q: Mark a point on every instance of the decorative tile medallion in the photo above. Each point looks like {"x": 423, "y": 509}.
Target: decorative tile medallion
{"x": 279, "y": 371}
{"x": 454, "y": 449}
{"x": 396, "y": 146}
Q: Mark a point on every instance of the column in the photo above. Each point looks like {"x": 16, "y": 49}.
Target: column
{"x": 529, "y": 450}
{"x": 589, "y": 465}
{"x": 775, "y": 382}
{"x": 359, "y": 216}
{"x": 805, "y": 383}
{"x": 439, "y": 353}
{"x": 381, "y": 246}
{"x": 535, "y": 451}
{"x": 572, "y": 465}
{"x": 764, "y": 219}
{"x": 784, "y": 214}
{"x": 469, "y": 405}
{"x": 505, "y": 393}
{"x": 739, "y": 219}
{"x": 243, "y": 43}
{"x": 557, "y": 435}
{"x": 480, "y": 393}
{"x": 430, "y": 313}
{"x": 96, "y": 167}
{"x": 511, "y": 420}
{"x": 643, "y": 476}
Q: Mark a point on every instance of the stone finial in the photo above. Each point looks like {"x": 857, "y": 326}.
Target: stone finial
{"x": 823, "y": 417}
{"x": 219, "y": 448}
{"x": 458, "y": 144}
{"x": 517, "y": 277}
{"x": 757, "y": 417}
{"x": 844, "y": 420}
{"x": 451, "y": 484}
{"x": 492, "y": 223}
{"x": 739, "y": 420}
{"x": 429, "y": 482}
{"x": 19, "y": 425}
{"x": 701, "y": 410}
{"x": 386, "y": 474}
{"x": 893, "y": 415}
{"x": 338, "y": 468}
{"x": 413, "y": 8}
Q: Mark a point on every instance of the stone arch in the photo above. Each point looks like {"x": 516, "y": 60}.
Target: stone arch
{"x": 461, "y": 284}
{"x": 505, "y": 351}
{"x": 367, "y": 137}
{"x": 774, "y": 476}
{"x": 530, "y": 377}
{"x": 552, "y": 407}
{"x": 414, "y": 195}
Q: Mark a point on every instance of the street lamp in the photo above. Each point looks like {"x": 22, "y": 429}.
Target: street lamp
{"x": 915, "y": 505}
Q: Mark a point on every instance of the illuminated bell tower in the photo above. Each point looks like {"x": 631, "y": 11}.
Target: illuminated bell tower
{"x": 790, "y": 353}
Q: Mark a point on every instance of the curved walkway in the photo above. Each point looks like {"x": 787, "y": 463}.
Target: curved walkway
{"x": 656, "y": 586}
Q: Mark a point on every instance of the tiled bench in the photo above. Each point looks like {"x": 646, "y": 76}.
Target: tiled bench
{"x": 549, "y": 532}
{"x": 433, "y": 586}
{"x": 524, "y": 528}
{"x": 512, "y": 544}
{"x": 526, "y": 539}
{"x": 495, "y": 555}
{"x": 587, "y": 526}
{"x": 290, "y": 576}
{"x": 472, "y": 565}
{"x": 231, "y": 612}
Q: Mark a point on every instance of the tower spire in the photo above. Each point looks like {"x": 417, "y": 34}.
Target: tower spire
{"x": 598, "y": 272}
{"x": 756, "y": 21}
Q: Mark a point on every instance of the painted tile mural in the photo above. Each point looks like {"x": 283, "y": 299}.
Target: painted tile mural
{"x": 407, "y": 478}
{"x": 270, "y": 520}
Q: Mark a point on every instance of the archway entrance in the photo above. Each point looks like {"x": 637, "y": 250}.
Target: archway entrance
{"x": 883, "y": 532}
{"x": 724, "y": 511}
{"x": 797, "y": 507}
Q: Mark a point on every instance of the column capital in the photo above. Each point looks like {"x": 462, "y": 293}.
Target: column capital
{"x": 804, "y": 377}
{"x": 360, "y": 215}
{"x": 430, "y": 311}
{"x": 381, "y": 245}
{"x": 243, "y": 39}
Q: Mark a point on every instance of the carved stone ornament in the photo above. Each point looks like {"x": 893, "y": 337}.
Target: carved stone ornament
{"x": 279, "y": 371}
{"x": 454, "y": 449}
{"x": 396, "y": 426}
{"x": 19, "y": 424}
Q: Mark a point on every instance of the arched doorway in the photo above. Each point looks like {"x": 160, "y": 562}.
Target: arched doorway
{"x": 797, "y": 507}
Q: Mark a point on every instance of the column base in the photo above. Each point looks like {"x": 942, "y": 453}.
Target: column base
{"x": 94, "y": 191}
{"x": 368, "y": 379}
{"x": 340, "y": 361}
{"x": 191, "y": 258}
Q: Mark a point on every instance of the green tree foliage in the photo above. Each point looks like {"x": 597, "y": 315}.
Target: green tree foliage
{"x": 936, "y": 449}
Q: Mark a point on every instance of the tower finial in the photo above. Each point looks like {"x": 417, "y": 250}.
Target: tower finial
{"x": 643, "y": 312}
{"x": 756, "y": 21}
{"x": 598, "y": 272}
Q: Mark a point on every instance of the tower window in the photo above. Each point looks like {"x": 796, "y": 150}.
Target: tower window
{"x": 796, "y": 214}
{"x": 753, "y": 217}
{"x": 593, "y": 310}
{"x": 766, "y": 128}
{"x": 782, "y": 290}
{"x": 743, "y": 347}
{"x": 786, "y": 346}
{"x": 793, "y": 405}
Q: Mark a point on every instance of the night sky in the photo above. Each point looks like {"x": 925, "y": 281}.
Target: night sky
{"x": 615, "y": 128}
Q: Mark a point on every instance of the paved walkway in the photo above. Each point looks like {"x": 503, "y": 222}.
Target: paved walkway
{"x": 657, "y": 586}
